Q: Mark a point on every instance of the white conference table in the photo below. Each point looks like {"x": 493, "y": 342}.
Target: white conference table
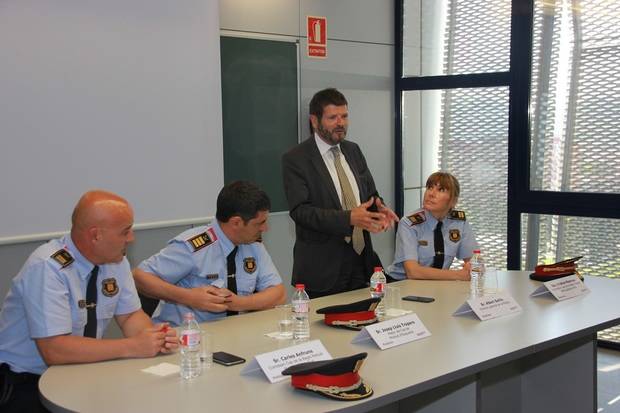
{"x": 540, "y": 360}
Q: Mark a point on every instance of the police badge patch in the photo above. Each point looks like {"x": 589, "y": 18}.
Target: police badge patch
{"x": 62, "y": 257}
{"x": 200, "y": 241}
{"x": 249, "y": 265}
{"x": 458, "y": 215}
{"x": 417, "y": 218}
{"x": 455, "y": 235}
{"x": 109, "y": 287}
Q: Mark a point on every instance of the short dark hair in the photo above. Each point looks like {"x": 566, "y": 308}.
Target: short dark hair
{"x": 325, "y": 97}
{"x": 241, "y": 198}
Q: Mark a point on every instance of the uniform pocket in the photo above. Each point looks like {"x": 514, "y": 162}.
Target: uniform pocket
{"x": 78, "y": 317}
{"x": 105, "y": 310}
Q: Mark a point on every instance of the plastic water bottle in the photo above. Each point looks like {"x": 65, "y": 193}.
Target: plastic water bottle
{"x": 377, "y": 289}
{"x": 477, "y": 275}
{"x": 190, "y": 348}
{"x": 301, "y": 307}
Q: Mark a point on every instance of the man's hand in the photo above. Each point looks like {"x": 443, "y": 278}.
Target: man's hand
{"x": 235, "y": 302}
{"x": 370, "y": 221}
{"x": 209, "y": 298}
{"x": 390, "y": 217}
{"x": 171, "y": 341}
{"x": 464, "y": 273}
{"x": 149, "y": 342}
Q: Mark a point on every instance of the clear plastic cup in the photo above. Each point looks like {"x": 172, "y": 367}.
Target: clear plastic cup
{"x": 206, "y": 348}
{"x": 490, "y": 281}
{"x": 392, "y": 297}
{"x": 284, "y": 314}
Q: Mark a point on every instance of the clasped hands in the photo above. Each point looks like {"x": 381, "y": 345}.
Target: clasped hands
{"x": 214, "y": 299}
{"x": 382, "y": 220}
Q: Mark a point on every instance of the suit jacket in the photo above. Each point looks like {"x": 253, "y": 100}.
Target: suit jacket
{"x": 320, "y": 222}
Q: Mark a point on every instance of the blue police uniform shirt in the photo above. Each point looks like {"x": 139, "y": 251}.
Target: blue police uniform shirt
{"x": 44, "y": 301}
{"x": 197, "y": 258}
{"x": 415, "y": 241}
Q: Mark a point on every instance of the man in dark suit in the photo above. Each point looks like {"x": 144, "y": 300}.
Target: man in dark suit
{"x": 334, "y": 202}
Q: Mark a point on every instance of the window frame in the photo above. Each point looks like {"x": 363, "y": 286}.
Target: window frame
{"x": 520, "y": 198}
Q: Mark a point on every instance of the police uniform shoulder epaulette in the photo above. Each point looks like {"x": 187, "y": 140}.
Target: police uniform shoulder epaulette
{"x": 417, "y": 218}
{"x": 62, "y": 257}
{"x": 458, "y": 215}
{"x": 200, "y": 241}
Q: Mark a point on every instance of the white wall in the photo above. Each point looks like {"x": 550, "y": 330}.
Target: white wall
{"x": 108, "y": 94}
{"x": 360, "y": 63}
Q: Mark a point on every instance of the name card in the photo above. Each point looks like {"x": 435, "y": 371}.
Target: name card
{"x": 490, "y": 306}
{"x": 394, "y": 332}
{"x": 275, "y": 362}
{"x": 563, "y": 288}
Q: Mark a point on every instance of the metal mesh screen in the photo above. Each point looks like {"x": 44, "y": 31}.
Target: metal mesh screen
{"x": 474, "y": 147}
{"x": 574, "y": 131}
{"x": 575, "y": 119}
{"x": 574, "y": 239}
{"x": 474, "y": 122}
{"x": 477, "y": 36}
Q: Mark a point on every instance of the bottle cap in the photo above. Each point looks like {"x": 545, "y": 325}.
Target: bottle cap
{"x": 378, "y": 269}
{"x": 476, "y": 251}
{"x": 300, "y": 286}
{"x": 188, "y": 315}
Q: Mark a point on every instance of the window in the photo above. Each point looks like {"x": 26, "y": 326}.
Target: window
{"x": 460, "y": 130}
{"x": 575, "y": 97}
{"x": 558, "y": 166}
{"x": 575, "y": 130}
{"x": 464, "y": 131}
{"x": 443, "y": 37}
{"x": 521, "y": 101}
{"x": 551, "y": 238}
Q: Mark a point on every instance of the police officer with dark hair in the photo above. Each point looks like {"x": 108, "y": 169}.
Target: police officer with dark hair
{"x": 334, "y": 202}
{"x": 218, "y": 269}
{"x": 65, "y": 295}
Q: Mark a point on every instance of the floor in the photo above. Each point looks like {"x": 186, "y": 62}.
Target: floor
{"x": 608, "y": 381}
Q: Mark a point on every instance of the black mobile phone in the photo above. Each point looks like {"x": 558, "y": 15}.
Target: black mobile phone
{"x": 227, "y": 359}
{"x": 418, "y": 299}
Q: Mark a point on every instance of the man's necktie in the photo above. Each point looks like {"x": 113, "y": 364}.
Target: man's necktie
{"x": 232, "y": 270}
{"x": 348, "y": 201}
{"x": 90, "y": 330}
{"x": 438, "y": 242}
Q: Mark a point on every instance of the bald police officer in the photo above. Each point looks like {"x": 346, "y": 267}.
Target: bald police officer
{"x": 65, "y": 295}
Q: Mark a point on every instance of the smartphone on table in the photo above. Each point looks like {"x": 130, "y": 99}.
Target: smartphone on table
{"x": 227, "y": 359}
{"x": 418, "y": 299}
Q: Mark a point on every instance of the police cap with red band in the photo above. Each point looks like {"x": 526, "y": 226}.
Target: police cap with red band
{"x": 352, "y": 316}
{"x": 557, "y": 270}
{"x": 336, "y": 379}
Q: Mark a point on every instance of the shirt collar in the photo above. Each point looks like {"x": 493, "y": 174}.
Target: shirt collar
{"x": 227, "y": 244}
{"x": 430, "y": 218}
{"x": 322, "y": 145}
{"x": 81, "y": 264}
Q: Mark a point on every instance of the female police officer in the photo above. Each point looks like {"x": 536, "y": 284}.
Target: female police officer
{"x": 428, "y": 240}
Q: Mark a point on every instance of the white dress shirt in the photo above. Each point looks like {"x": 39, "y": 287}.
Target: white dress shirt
{"x": 328, "y": 158}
